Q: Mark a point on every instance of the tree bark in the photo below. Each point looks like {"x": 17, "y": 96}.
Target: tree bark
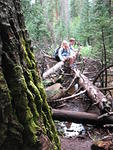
{"x": 92, "y": 91}
{"x": 25, "y": 117}
{"x": 105, "y": 58}
{"x": 80, "y": 117}
{"x": 53, "y": 69}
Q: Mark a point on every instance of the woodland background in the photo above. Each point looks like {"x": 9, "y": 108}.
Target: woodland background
{"x": 88, "y": 21}
{"x": 25, "y": 116}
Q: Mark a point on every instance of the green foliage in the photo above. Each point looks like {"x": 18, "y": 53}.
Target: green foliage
{"x": 87, "y": 51}
{"x": 101, "y": 24}
{"x": 35, "y": 20}
{"x": 74, "y": 28}
{"x": 75, "y": 4}
{"x": 46, "y": 23}
{"x": 93, "y": 18}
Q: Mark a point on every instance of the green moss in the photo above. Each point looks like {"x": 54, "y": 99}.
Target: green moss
{"x": 38, "y": 99}
{"x": 39, "y": 84}
{"x": 27, "y": 59}
{"x": 32, "y": 106}
{"x": 51, "y": 134}
{"x": 37, "y": 96}
{"x": 29, "y": 56}
{"x": 28, "y": 75}
{"x": 31, "y": 132}
{"x": 29, "y": 99}
{"x": 47, "y": 114}
{"x": 19, "y": 92}
{"x": 33, "y": 64}
{"x": 48, "y": 127}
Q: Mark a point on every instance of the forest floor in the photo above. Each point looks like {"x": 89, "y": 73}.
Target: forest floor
{"x": 87, "y": 138}
{"x": 77, "y": 136}
{"x": 76, "y": 142}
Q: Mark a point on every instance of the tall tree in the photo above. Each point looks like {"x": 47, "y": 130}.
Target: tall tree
{"x": 101, "y": 24}
{"x": 80, "y": 17}
{"x": 25, "y": 117}
{"x": 36, "y": 21}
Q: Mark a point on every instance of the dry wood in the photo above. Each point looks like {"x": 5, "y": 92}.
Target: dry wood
{"x": 69, "y": 97}
{"x": 46, "y": 55}
{"x": 105, "y": 115}
{"x": 106, "y": 88}
{"x": 71, "y": 84}
{"x": 97, "y": 97}
{"x": 72, "y": 116}
{"x": 92, "y": 91}
{"x": 80, "y": 117}
{"x": 53, "y": 69}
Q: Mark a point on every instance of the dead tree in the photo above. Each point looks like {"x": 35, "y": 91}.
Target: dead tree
{"x": 81, "y": 117}
{"x": 97, "y": 97}
{"x": 53, "y": 69}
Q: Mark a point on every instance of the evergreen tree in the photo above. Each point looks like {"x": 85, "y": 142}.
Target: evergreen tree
{"x": 85, "y": 22}
{"x": 25, "y": 117}
{"x": 35, "y": 20}
{"x": 101, "y": 27}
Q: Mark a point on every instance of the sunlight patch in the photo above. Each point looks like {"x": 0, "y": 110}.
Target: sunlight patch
{"x": 32, "y": 1}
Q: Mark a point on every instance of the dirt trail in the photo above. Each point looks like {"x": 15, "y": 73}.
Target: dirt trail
{"x": 80, "y": 142}
{"x": 75, "y": 144}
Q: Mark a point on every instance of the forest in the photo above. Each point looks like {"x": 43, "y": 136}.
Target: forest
{"x": 51, "y": 104}
{"x": 88, "y": 21}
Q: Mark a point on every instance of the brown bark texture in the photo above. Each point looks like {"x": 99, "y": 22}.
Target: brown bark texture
{"x": 25, "y": 117}
{"x": 53, "y": 69}
{"x": 81, "y": 117}
{"x": 97, "y": 97}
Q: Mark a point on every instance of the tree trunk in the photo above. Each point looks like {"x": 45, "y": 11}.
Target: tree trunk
{"x": 105, "y": 58}
{"x": 25, "y": 117}
{"x": 80, "y": 117}
{"x": 56, "y": 10}
{"x": 53, "y": 69}
{"x": 93, "y": 92}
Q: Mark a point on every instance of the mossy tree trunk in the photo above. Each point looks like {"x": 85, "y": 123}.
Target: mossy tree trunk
{"x": 25, "y": 117}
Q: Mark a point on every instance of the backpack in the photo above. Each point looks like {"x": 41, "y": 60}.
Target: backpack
{"x": 56, "y": 54}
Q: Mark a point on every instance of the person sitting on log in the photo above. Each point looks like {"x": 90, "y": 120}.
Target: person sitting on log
{"x": 74, "y": 52}
{"x": 71, "y": 44}
{"x": 64, "y": 51}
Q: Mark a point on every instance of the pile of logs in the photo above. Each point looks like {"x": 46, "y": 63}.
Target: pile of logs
{"x": 57, "y": 94}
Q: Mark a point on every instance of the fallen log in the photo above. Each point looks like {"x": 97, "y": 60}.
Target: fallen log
{"x": 97, "y": 97}
{"x": 68, "y": 97}
{"x": 80, "y": 117}
{"x": 106, "y": 88}
{"x": 53, "y": 69}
